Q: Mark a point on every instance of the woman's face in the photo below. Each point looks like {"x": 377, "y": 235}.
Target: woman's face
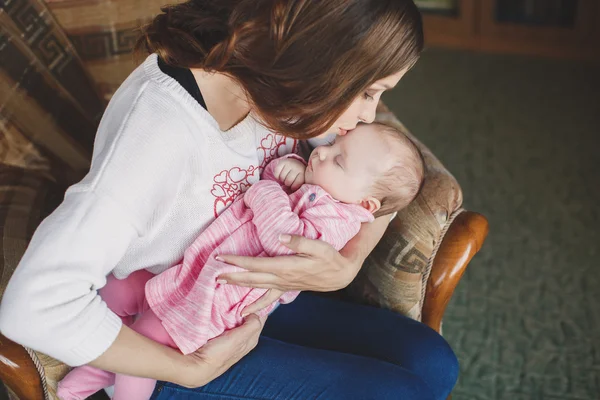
{"x": 363, "y": 107}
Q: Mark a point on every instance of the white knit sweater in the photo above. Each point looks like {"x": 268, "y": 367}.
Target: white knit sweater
{"x": 161, "y": 171}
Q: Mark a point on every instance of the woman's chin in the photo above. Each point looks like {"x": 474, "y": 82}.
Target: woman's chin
{"x": 328, "y": 136}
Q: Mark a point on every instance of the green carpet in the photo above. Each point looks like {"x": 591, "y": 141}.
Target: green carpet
{"x": 522, "y": 136}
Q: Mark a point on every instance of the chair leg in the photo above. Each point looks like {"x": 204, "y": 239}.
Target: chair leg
{"x": 18, "y": 372}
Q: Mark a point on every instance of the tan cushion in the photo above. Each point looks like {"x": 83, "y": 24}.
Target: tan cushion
{"x": 395, "y": 274}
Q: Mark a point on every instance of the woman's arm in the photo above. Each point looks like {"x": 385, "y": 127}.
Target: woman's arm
{"x": 361, "y": 245}
{"x": 316, "y": 267}
{"x": 134, "y": 354}
{"x": 51, "y": 302}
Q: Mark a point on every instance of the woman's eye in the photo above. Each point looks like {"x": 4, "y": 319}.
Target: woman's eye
{"x": 368, "y": 96}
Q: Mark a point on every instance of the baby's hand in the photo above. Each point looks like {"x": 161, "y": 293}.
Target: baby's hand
{"x": 290, "y": 172}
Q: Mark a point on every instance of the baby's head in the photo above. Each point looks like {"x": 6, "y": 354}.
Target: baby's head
{"x": 374, "y": 165}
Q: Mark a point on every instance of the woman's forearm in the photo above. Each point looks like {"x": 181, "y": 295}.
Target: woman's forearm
{"x": 361, "y": 245}
{"x": 134, "y": 354}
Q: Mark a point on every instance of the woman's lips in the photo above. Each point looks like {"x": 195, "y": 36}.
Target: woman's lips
{"x": 343, "y": 132}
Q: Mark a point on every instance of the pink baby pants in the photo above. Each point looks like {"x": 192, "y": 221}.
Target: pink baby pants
{"x": 126, "y": 298}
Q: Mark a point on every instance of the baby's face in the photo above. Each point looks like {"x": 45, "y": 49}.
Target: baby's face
{"x": 347, "y": 168}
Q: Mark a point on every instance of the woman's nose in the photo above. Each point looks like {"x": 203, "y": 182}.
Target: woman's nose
{"x": 367, "y": 114}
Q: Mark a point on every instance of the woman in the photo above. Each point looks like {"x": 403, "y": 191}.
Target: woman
{"x": 185, "y": 134}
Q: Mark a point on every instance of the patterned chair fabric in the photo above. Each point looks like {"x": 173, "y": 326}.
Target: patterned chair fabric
{"x": 61, "y": 62}
{"x": 103, "y": 33}
{"x": 45, "y": 91}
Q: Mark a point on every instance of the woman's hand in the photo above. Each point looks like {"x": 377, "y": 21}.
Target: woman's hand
{"x": 317, "y": 266}
{"x": 220, "y": 353}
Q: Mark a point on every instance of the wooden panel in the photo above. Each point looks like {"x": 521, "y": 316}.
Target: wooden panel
{"x": 476, "y": 29}
{"x": 440, "y": 29}
{"x": 584, "y": 22}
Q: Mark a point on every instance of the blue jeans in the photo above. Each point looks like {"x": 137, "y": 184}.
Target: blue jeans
{"x": 318, "y": 348}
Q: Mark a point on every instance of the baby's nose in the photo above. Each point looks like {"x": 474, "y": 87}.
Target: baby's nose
{"x": 322, "y": 153}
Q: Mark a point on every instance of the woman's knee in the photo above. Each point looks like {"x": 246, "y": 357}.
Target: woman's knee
{"x": 379, "y": 380}
{"x": 431, "y": 357}
{"x": 403, "y": 385}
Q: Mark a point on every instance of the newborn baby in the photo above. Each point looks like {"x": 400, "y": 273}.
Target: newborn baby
{"x": 373, "y": 170}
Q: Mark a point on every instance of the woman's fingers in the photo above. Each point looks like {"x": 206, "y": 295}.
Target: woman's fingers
{"x": 301, "y": 245}
{"x": 235, "y": 342}
{"x": 305, "y": 269}
{"x": 245, "y": 337}
{"x": 309, "y": 247}
{"x": 264, "y": 301}
{"x": 263, "y": 280}
{"x": 221, "y": 352}
{"x": 256, "y": 264}
{"x": 252, "y": 326}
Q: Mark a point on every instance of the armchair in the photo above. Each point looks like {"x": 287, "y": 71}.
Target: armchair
{"x": 54, "y": 83}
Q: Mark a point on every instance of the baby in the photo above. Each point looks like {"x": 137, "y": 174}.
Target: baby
{"x": 373, "y": 170}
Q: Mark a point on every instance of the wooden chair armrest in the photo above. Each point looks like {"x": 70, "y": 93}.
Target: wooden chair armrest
{"x": 462, "y": 241}
{"x": 18, "y": 372}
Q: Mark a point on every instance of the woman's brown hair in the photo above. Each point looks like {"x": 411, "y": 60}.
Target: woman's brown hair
{"x": 301, "y": 62}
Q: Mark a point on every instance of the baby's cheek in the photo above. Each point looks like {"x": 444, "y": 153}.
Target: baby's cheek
{"x": 327, "y": 181}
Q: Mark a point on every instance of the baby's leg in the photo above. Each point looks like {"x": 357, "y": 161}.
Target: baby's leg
{"x": 135, "y": 388}
{"x": 82, "y": 382}
{"x": 126, "y": 297}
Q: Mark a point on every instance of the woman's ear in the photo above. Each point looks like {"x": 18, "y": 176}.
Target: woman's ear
{"x": 371, "y": 204}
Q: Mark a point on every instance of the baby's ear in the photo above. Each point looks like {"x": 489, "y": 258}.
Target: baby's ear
{"x": 371, "y": 204}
